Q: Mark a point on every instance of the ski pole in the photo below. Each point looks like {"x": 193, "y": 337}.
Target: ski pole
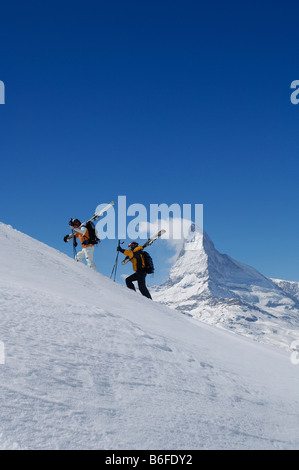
{"x": 74, "y": 244}
{"x": 116, "y": 262}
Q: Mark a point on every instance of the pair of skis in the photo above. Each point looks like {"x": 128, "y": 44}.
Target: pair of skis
{"x": 148, "y": 243}
{"x": 97, "y": 215}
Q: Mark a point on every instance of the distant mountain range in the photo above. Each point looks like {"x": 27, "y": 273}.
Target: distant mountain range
{"x": 219, "y": 290}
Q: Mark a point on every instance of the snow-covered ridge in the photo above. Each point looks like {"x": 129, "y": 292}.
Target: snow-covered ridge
{"x": 92, "y": 365}
{"x": 219, "y": 290}
{"x": 289, "y": 287}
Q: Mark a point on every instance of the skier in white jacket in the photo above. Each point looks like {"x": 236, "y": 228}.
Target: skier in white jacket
{"x": 81, "y": 232}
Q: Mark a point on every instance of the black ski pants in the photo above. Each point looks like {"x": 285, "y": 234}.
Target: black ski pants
{"x": 138, "y": 276}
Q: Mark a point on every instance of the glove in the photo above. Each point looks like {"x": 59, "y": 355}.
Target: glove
{"x": 119, "y": 248}
{"x": 67, "y": 238}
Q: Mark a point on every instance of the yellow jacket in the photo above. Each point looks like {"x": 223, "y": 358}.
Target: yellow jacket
{"x": 136, "y": 258}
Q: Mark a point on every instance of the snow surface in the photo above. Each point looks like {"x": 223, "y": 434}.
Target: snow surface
{"x": 92, "y": 365}
{"x": 221, "y": 291}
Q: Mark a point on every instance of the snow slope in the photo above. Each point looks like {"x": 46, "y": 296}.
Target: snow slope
{"x": 92, "y": 365}
{"x": 221, "y": 291}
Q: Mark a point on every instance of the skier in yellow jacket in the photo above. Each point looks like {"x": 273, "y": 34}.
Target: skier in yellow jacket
{"x": 137, "y": 259}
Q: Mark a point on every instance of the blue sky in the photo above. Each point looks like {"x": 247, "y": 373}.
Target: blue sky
{"x": 161, "y": 101}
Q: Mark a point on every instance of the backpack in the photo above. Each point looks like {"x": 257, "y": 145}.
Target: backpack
{"x": 149, "y": 264}
{"x": 93, "y": 239}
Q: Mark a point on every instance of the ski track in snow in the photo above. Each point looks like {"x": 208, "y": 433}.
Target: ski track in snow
{"x": 91, "y": 365}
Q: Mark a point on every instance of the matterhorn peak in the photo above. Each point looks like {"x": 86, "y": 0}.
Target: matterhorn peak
{"x": 220, "y": 290}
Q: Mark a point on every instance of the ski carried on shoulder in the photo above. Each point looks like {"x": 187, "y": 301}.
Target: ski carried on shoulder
{"x": 98, "y": 214}
{"x": 152, "y": 239}
{"x": 147, "y": 243}
{"x": 95, "y": 217}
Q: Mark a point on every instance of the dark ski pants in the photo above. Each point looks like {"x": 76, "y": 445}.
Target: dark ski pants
{"x": 139, "y": 276}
